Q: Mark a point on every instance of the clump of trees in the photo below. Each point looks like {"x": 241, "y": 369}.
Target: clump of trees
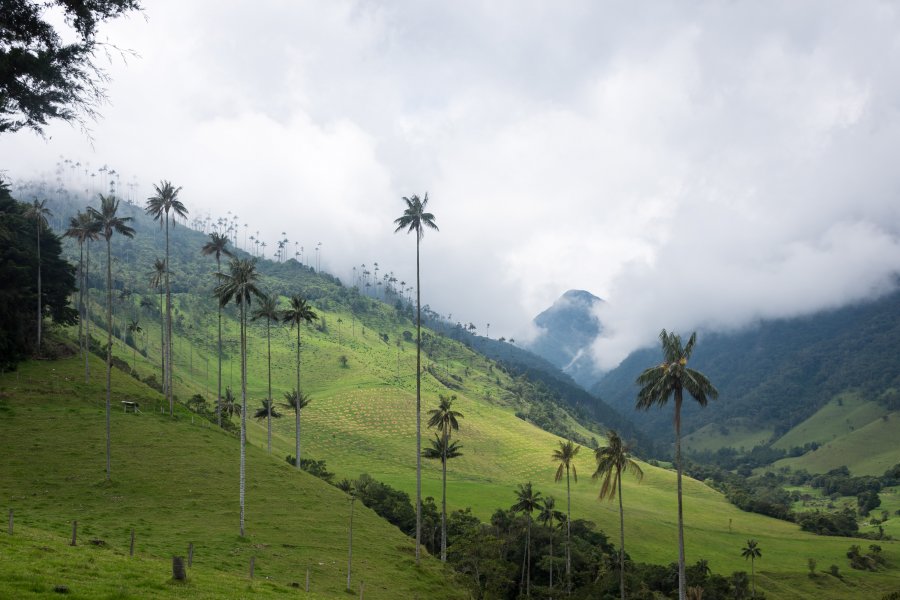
{"x": 19, "y": 263}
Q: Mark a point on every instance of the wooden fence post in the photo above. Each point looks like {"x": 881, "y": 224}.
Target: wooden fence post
{"x": 74, "y": 532}
{"x": 362, "y": 586}
{"x": 178, "y": 573}
{"x": 252, "y": 565}
{"x": 131, "y": 547}
{"x": 191, "y": 554}
{"x": 307, "y": 578}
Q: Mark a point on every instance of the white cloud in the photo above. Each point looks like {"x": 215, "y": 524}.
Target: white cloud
{"x": 702, "y": 165}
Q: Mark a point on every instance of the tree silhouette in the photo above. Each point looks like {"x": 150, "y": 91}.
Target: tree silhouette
{"x": 658, "y": 384}
{"x": 134, "y": 328}
{"x": 239, "y": 285}
{"x": 527, "y": 501}
{"x": 612, "y": 459}
{"x": 109, "y": 223}
{"x": 83, "y": 229}
{"x": 266, "y": 411}
{"x": 296, "y": 401}
{"x": 268, "y": 310}
{"x": 38, "y": 212}
{"x": 158, "y": 206}
{"x": 546, "y": 517}
{"x": 444, "y": 419}
{"x": 218, "y": 246}
{"x": 565, "y": 456}
{"x": 299, "y": 311}
{"x": 414, "y": 218}
{"x": 752, "y": 551}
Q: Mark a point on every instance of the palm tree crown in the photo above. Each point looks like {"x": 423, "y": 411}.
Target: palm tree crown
{"x": 414, "y": 217}
{"x": 239, "y": 285}
{"x": 164, "y": 201}
{"x": 444, "y": 418}
{"x": 612, "y": 460}
{"x": 217, "y": 246}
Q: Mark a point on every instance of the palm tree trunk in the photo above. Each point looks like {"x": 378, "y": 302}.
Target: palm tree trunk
{"x": 219, "y": 403}
{"x": 243, "y": 408}
{"x": 169, "y": 395}
{"x": 297, "y": 408}
{"x": 87, "y": 310}
{"x": 81, "y": 296}
{"x": 551, "y": 555}
{"x": 269, "y": 412}
{"x": 40, "y": 316}
{"x": 621, "y": 537}
{"x": 753, "y": 574}
{"x": 681, "y": 574}
{"x": 528, "y": 559}
{"x": 444, "y": 504}
{"x": 162, "y": 343}
{"x": 350, "y": 545}
{"x": 418, "y": 404}
{"x": 108, "y": 350}
{"x": 568, "y": 532}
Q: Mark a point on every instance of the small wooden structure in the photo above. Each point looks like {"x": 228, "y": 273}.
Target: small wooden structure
{"x": 130, "y": 405}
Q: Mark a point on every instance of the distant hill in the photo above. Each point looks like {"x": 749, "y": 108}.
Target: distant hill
{"x": 778, "y": 373}
{"x": 567, "y": 330}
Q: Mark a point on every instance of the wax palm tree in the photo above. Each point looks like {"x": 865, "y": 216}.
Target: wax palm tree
{"x": 443, "y": 449}
{"x": 229, "y": 405}
{"x": 658, "y": 383}
{"x": 239, "y": 285}
{"x": 268, "y": 310}
{"x": 414, "y": 218}
{"x": 158, "y": 206}
{"x": 527, "y": 501}
{"x": 612, "y": 459}
{"x": 83, "y": 229}
{"x": 565, "y": 456}
{"x": 218, "y": 246}
{"x": 444, "y": 419}
{"x": 157, "y": 280}
{"x": 134, "y": 328}
{"x": 547, "y": 516}
{"x": 296, "y": 401}
{"x": 752, "y": 551}
{"x": 38, "y": 211}
{"x": 299, "y": 311}
{"x": 109, "y": 223}
{"x": 266, "y": 411}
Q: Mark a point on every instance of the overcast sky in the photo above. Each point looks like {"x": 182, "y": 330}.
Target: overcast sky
{"x": 697, "y": 165}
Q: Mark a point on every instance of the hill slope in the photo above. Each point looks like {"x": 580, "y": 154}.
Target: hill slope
{"x": 778, "y": 373}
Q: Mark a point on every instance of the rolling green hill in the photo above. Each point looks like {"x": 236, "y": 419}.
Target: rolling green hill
{"x": 361, "y": 420}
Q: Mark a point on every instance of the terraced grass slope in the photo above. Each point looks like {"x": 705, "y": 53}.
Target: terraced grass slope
{"x": 175, "y": 482}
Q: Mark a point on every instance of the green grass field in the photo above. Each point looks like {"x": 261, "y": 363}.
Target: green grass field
{"x": 712, "y": 437}
{"x": 362, "y": 420}
{"x": 175, "y": 482}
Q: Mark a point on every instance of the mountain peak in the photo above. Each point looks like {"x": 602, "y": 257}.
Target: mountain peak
{"x": 568, "y": 328}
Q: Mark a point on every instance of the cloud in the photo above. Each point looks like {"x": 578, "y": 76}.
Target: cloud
{"x": 704, "y": 165}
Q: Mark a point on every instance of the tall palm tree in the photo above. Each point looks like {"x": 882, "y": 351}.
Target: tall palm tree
{"x": 752, "y": 552}
{"x": 444, "y": 419}
{"x": 527, "y": 501}
{"x": 83, "y": 229}
{"x": 158, "y": 206}
{"x": 109, "y": 223}
{"x": 414, "y": 218}
{"x": 239, "y": 285}
{"x": 268, "y": 310}
{"x": 658, "y": 383}
{"x": 217, "y": 246}
{"x": 296, "y": 401}
{"x": 565, "y": 456}
{"x": 546, "y": 517}
{"x": 612, "y": 459}
{"x": 38, "y": 211}
{"x": 134, "y": 328}
{"x": 299, "y": 311}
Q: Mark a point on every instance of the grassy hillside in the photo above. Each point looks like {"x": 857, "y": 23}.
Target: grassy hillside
{"x": 174, "y": 482}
